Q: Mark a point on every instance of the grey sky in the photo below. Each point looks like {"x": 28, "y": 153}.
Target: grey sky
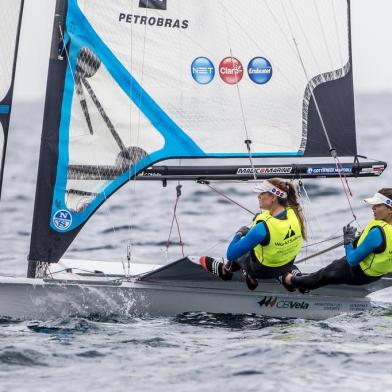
{"x": 372, "y": 47}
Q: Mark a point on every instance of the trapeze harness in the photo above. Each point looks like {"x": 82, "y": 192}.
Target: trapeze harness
{"x": 283, "y": 241}
{"x": 269, "y": 248}
{"x": 379, "y": 262}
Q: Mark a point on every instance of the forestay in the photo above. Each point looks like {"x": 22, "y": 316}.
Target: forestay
{"x": 132, "y": 83}
{"x": 10, "y": 16}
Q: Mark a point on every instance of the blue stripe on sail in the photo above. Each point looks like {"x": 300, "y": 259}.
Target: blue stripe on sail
{"x": 4, "y": 109}
{"x": 177, "y": 142}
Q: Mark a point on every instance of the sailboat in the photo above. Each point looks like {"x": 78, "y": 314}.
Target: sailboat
{"x": 179, "y": 90}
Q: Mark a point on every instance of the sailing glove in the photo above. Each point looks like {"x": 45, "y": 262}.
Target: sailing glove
{"x": 242, "y": 231}
{"x": 349, "y": 234}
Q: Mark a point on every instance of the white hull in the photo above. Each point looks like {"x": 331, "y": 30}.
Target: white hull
{"x": 23, "y": 298}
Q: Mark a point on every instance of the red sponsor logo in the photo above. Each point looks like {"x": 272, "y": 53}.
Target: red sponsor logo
{"x": 231, "y": 70}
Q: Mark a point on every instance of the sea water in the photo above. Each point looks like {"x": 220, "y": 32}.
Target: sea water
{"x": 195, "y": 351}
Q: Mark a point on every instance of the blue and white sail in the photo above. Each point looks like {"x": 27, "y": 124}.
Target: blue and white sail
{"x": 135, "y": 82}
{"x": 10, "y": 17}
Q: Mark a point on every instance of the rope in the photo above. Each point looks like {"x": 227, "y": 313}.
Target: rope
{"x": 321, "y": 242}
{"x": 332, "y": 150}
{"x": 312, "y": 256}
{"x": 247, "y": 141}
{"x": 175, "y": 220}
{"x": 225, "y": 196}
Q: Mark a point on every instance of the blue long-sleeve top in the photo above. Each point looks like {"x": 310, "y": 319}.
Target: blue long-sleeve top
{"x": 371, "y": 242}
{"x": 241, "y": 245}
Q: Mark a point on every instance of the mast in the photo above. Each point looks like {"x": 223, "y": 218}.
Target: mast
{"x": 41, "y": 232}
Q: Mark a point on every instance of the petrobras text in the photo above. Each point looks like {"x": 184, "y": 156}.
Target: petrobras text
{"x": 153, "y": 21}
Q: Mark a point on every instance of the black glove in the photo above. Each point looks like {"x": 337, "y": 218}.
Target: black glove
{"x": 349, "y": 234}
{"x": 243, "y": 231}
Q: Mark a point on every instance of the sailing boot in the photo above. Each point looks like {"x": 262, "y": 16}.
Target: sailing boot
{"x": 296, "y": 272}
{"x": 250, "y": 282}
{"x": 282, "y": 280}
{"x": 216, "y": 267}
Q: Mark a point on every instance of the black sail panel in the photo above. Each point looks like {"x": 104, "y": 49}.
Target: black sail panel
{"x": 340, "y": 124}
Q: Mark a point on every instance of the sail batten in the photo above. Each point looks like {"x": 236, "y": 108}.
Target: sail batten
{"x": 137, "y": 83}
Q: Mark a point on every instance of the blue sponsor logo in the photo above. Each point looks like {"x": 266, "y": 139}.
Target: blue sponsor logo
{"x": 62, "y": 219}
{"x": 260, "y": 70}
{"x": 329, "y": 170}
{"x": 203, "y": 70}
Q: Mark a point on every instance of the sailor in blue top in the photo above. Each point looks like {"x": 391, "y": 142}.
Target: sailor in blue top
{"x": 366, "y": 259}
{"x": 242, "y": 251}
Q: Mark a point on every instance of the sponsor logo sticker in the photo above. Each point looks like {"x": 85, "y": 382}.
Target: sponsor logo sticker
{"x": 153, "y": 4}
{"x": 203, "y": 70}
{"x": 62, "y": 219}
{"x": 329, "y": 170}
{"x": 231, "y": 70}
{"x": 265, "y": 170}
{"x": 260, "y": 70}
{"x": 378, "y": 169}
{"x": 283, "y": 304}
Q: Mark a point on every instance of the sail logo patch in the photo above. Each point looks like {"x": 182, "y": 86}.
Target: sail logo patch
{"x": 62, "y": 220}
{"x": 153, "y": 4}
{"x": 231, "y": 70}
{"x": 260, "y": 70}
{"x": 203, "y": 70}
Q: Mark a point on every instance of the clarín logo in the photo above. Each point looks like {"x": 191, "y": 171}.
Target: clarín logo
{"x": 153, "y": 4}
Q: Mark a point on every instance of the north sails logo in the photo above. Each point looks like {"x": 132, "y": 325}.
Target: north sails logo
{"x": 154, "y": 4}
{"x": 290, "y": 233}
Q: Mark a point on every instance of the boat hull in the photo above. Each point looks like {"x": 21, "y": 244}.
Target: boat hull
{"x": 28, "y": 299}
{"x": 179, "y": 287}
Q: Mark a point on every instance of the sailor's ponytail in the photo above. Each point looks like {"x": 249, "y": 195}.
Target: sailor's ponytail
{"x": 292, "y": 200}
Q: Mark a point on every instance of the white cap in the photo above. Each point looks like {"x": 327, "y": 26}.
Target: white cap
{"x": 378, "y": 198}
{"x": 266, "y": 186}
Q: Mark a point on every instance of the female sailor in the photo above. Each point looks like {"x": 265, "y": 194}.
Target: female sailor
{"x": 368, "y": 257}
{"x": 268, "y": 249}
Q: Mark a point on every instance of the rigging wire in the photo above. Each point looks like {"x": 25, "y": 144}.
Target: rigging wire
{"x": 332, "y": 150}
{"x": 92, "y": 144}
{"x": 247, "y": 141}
{"x": 175, "y": 221}
{"x": 207, "y": 183}
{"x": 132, "y": 172}
{"x": 313, "y": 255}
